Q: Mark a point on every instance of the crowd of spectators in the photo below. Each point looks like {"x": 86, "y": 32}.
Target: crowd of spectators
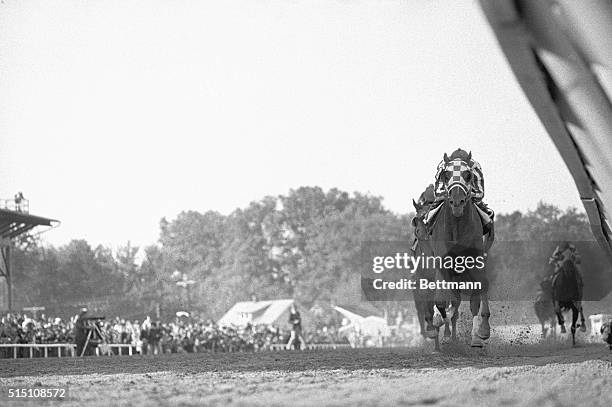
{"x": 154, "y": 337}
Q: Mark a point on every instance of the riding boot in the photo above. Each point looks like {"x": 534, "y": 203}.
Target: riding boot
{"x": 485, "y": 208}
{"x": 488, "y": 227}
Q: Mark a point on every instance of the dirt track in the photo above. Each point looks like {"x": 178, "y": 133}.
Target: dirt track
{"x": 538, "y": 375}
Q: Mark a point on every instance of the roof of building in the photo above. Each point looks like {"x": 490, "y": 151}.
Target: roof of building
{"x": 15, "y": 223}
{"x": 255, "y": 312}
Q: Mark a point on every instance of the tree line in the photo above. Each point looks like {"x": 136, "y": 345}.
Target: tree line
{"x": 304, "y": 245}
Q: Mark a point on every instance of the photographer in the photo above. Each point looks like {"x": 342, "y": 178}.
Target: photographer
{"x": 80, "y": 331}
{"x": 155, "y": 337}
{"x": 295, "y": 321}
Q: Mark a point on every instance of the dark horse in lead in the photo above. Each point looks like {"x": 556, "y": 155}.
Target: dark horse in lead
{"x": 456, "y": 232}
{"x": 567, "y": 295}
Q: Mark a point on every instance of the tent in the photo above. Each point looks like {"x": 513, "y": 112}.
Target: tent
{"x": 272, "y": 312}
{"x": 363, "y": 322}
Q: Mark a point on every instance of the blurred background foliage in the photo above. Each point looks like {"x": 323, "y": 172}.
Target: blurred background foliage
{"x": 305, "y": 245}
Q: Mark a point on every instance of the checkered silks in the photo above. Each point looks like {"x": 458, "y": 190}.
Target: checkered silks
{"x": 457, "y": 168}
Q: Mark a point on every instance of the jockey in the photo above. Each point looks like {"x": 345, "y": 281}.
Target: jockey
{"x": 477, "y": 184}
{"x": 563, "y": 252}
{"x": 422, "y": 206}
{"x": 428, "y": 196}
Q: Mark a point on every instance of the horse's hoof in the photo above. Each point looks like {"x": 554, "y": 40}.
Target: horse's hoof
{"x": 447, "y": 333}
{"x": 484, "y": 334}
{"x": 477, "y": 342}
{"x": 484, "y": 330}
{"x": 431, "y": 333}
{"x": 563, "y": 330}
{"x": 582, "y": 328}
{"x": 437, "y": 321}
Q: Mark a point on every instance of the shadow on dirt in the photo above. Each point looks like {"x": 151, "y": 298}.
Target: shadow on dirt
{"x": 453, "y": 356}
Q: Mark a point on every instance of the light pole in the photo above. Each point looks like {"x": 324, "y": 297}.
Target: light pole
{"x": 186, "y": 284}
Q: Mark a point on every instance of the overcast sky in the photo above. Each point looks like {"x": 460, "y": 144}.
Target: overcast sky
{"x": 114, "y": 114}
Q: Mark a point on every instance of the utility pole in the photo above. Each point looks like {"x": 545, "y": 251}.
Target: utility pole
{"x": 186, "y": 284}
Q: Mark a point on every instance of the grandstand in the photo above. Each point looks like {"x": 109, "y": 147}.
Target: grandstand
{"x": 15, "y": 222}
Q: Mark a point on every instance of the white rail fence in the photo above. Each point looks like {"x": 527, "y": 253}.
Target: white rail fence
{"x": 313, "y": 346}
{"x": 62, "y": 349}
{"x": 69, "y": 349}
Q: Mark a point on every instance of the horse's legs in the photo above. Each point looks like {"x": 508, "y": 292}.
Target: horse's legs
{"x": 437, "y": 322}
{"x": 420, "y": 305}
{"x": 428, "y": 310}
{"x": 484, "y": 331}
{"x": 582, "y": 323}
{"x": 439, "y": 312}
{"x": 437, "y": 342}
{"x": 432, "y": 332}
{"x": 575, "y": 312}
{"x": 560, "y": 316}
{"x": 454, "y": 311}
{"x": 475, "y": 305}
{"x": 447, "y": 331}
{"x": 440, "y": 298}
{"x": 455, "y": 317}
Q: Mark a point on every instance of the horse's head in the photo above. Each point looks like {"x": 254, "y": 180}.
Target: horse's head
{"x": 418, "y": 222}
{"x": 457, "y": 180}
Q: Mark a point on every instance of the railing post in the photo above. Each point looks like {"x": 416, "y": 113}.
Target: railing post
{"x": 130, "y": 350}
{"x": 46, "y": 351}
{"x": 14, "y": 352}
{"x": 31, "y": 352}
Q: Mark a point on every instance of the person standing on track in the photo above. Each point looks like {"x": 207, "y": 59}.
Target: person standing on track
{"x": 80, "y": 332}
{"x": 295, "y": 320}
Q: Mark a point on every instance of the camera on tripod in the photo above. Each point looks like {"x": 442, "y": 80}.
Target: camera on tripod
{"x": 95, "y": 336}
{"x": 93, "y": 320}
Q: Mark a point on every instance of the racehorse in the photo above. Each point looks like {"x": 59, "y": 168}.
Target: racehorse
{"x": 566, "y": 295}
{"x": 544, "y": 308}
{"x": 424, "y": 299}
{"x": 457, "y": 232}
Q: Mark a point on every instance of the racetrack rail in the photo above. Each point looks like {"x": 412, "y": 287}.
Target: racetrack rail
{"x": 561, "y": 54}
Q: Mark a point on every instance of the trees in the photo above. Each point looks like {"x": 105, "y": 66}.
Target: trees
{"x": 524, "y": 243}
{"x": 304, "y": 245}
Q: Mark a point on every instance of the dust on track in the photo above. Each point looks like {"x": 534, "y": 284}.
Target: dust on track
{"x": 540, "y": 375}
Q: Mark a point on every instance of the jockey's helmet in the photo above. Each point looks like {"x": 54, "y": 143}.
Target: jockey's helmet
{"x": 461, "y": 154}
